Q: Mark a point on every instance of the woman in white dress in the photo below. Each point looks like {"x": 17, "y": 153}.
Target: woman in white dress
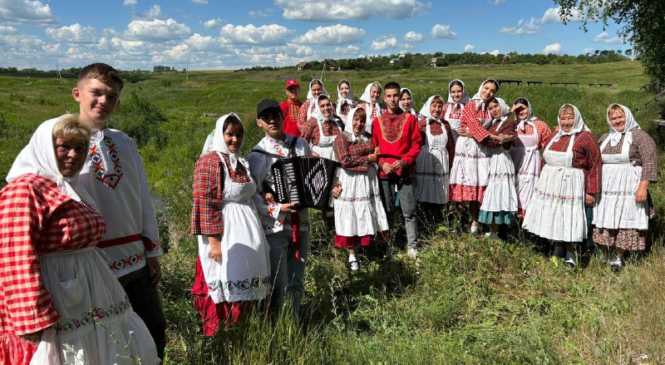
{"x": 233, "y": 266}
{"x": 434, "y": 160}
{"x": 567, "y": 185}
{"x": 322, "y": 129}
{"x": 621, "y": 217}
{"x": 453, "y": 109}
{"x": 345, "y": 100}
{"x": 359, "y": 212}
{"x": 500, "y": 202}
{"x": 371, "y": 103}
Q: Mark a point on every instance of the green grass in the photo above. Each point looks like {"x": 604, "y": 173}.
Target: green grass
{"x": 470, "y": 301}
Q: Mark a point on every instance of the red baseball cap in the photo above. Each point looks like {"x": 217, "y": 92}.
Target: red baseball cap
{"x": 292, "y": 83}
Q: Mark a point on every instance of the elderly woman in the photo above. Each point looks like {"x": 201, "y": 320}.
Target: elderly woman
{"x": 345, "y": 100}
{"x": 531, "y": 136}
{"x": 435, "y": 158}
{"x": 233, "y": 266}
{"x": 500, "y": 201}
{"x": 470, "y": 170}
{"x": 359, "y": 212}
{"x": 569, "y": 180}
{"x": 316, "y": 89}
{"x": 57, "y": 290}
{"x": 453, "y": 109}
{"x": 406, "y": 102}
{"x": 322, "y": 129}
{"x": 371, "y": 104}
{"x": 621, "y": 217}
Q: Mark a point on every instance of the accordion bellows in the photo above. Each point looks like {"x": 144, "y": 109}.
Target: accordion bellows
{"x": 306, "y": 181}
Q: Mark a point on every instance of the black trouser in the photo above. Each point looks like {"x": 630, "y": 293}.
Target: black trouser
{"x": 146, "y": 302}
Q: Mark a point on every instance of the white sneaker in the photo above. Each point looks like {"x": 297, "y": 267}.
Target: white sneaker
{"x": 615, "y": 264}
{"x": 413, "y": 253}
{"x": 492, "y": 235}
{"x": 353, "y": 262}
{"x": 571, "y": 259}
{"x": 474, "y": 229}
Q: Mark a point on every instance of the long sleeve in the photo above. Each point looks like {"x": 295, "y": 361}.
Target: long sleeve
{"x": 416, "y": 142}
{"x": 308, "y": 129}
{"x": 470, "y": 119}
{"x": 302, "y": 117}
{"x": 349, "y": 161}
{"x": 646, "y": 147}
{"x": 450, "y": 145}
{"x": 257, "y": 166}
{"x": 207, "y": 191}
{"x": 588, "y": 151}
{"x": 150, "y": 230}
{"x": 27, "y": 304}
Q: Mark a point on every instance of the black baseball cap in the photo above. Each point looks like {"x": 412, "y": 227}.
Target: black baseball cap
{"x": 265, "y": 105}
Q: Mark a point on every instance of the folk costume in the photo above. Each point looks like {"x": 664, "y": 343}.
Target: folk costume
{"x": 287, "y": 234}
{"x": 359, "y": 212}
{"x": 531, "y": 135}
{"x": 53, "y": 278}
{"x": 344, "y": 105}
{"x": 373, "y": 110}
{"x": 291, "y": 110}
{"x": 223, "y": 205}
{"x": 572, "y": 170}
{"x": 321, "y": 132}
{"x": 411, "y": 110}
{"x": 435, "y": 158}
{"x": 629, "y": 157}
{"x": 500, "y": 201}
{"x": 452, "y": 110}
{"x": 309, "y": 106}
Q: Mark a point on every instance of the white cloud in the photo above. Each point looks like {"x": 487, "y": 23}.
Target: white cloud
{"x": 273, "y": 34}
{"x": 202, "y": 2}
{"x": 130, "y": 3}
{"x": 335, "y": 10}
{"x": 349, "y": 50}
{"x": 607, "y": 39}
{"x": 412, "y": 36}
{"x": 383, "y": 43}
{"x": 442, "y": 31}
{"x": 554, "y": 48}
{"x": 74, "y": 33}
{"x": 334, "y": 34}
{"x": 26, "y": 12}
{"x": 587, "y": 50}
{"x": 155, "y": 12}
{"x": 7, "y": 29}
{"x": 260, "y": 13}
{"x": 469, "y": 48}
{"x": 406, "y": 47}
{"x": 212, "y": 23}
{"x": 552, "y": 16}
{"x": 499, "y": 2}
{"x": 156, "y": 30}
{"x": 202, "y": 43}
{"x": 495, "y": 52}
{"x": 523, "y": 28}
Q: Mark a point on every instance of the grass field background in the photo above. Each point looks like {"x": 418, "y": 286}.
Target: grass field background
{"x": 469, "y": 301}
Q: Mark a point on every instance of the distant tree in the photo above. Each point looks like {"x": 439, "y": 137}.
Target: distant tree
{"x": 642, "y": 25}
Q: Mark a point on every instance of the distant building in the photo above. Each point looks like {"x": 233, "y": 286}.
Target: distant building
{"x": 303, "y": 66}
{"x": 332, "y": 64}
{"x": 394, "y": 61}
{"x": 433, "y": 61}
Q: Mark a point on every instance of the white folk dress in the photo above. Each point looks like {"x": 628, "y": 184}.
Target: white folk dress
{"x": 526, "y": 158}
{"x": 616, "y": 208}
{"x": 244, "y": 273}
{"x": 454, "y": 122}
{"x": 325, "y": 146}
{"x": 556, "y": 211}
{"x": 432, "y": 168}
{"x": 501, "y": 194}
{"x": 471, "y": 163}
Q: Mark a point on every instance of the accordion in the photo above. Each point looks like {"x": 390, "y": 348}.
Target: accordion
{"x": 306, "y": 181}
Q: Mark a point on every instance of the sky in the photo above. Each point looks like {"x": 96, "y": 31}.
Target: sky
{"x": 211, "y": 34}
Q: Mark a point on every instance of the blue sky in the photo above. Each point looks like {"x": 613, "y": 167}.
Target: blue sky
{"x": 209, "y": 34}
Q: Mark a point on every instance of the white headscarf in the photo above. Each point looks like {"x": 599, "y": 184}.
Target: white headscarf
{"x": 529, "y": 119}
{"x": 312, "y": 99}
{"x": 39, "y": 158}
{"x": 219, "y": 145}
{"x": 459, "y": 104}
{"x": 413, "y": 102}
{"x": 505, "y": 110}
{"x": 481, "y": 104}
{"x": 348, "y": 127}
{"x": 341, "y": 100}
{"x": 630, "y": 124}
{"x": 578, "y": 126}
{"x": 318, "y": 114}
{"x": 366, "y": 97}
{"x": 425, "y": 110}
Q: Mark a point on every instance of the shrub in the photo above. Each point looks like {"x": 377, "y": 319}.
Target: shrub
{"x": 141, "y": 120}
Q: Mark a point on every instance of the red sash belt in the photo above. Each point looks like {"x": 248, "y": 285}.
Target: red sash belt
{"x": 119, "y": 241}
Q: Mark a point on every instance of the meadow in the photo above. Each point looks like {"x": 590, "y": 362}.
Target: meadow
{"x": 468, "y": 301}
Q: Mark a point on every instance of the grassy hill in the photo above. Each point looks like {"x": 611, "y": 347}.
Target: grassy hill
{"x": 469, "y": 301}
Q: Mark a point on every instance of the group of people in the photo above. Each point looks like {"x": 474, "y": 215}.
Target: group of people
{"x": 78, "y": 236}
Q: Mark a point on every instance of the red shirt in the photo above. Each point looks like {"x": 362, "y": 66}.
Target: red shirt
{"x": 352, "y": 155}
{"x": 398, "y": 136}
{"x": 312, "y": 134}
{"x": 473, "y": 120}
{"x": 290, "y": 109}
{"x": 586, "y": 156}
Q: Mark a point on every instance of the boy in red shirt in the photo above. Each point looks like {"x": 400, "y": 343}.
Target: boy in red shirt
{"x": 291, "y": 107}
{"x": 397, "y": 137}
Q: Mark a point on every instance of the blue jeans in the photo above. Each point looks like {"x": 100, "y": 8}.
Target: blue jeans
{"x": 288, "y": 274}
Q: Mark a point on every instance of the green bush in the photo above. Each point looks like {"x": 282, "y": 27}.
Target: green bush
{"x": 140, "y": 119}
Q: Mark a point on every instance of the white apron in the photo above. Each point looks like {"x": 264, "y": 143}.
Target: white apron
{"x": 471, "y": 163}
{"x": 557, "y": 210}
{"x": 432, "y": 169}
{"x": 500, "y": 195}
{"x": 244, "y": 273}
{"x": 526, "y": 157}
{"x": 616, "y": 208}
{"x": 97, "y": 324}
{"x": 325, "y": 146}
{"x": 454, "y": 122}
